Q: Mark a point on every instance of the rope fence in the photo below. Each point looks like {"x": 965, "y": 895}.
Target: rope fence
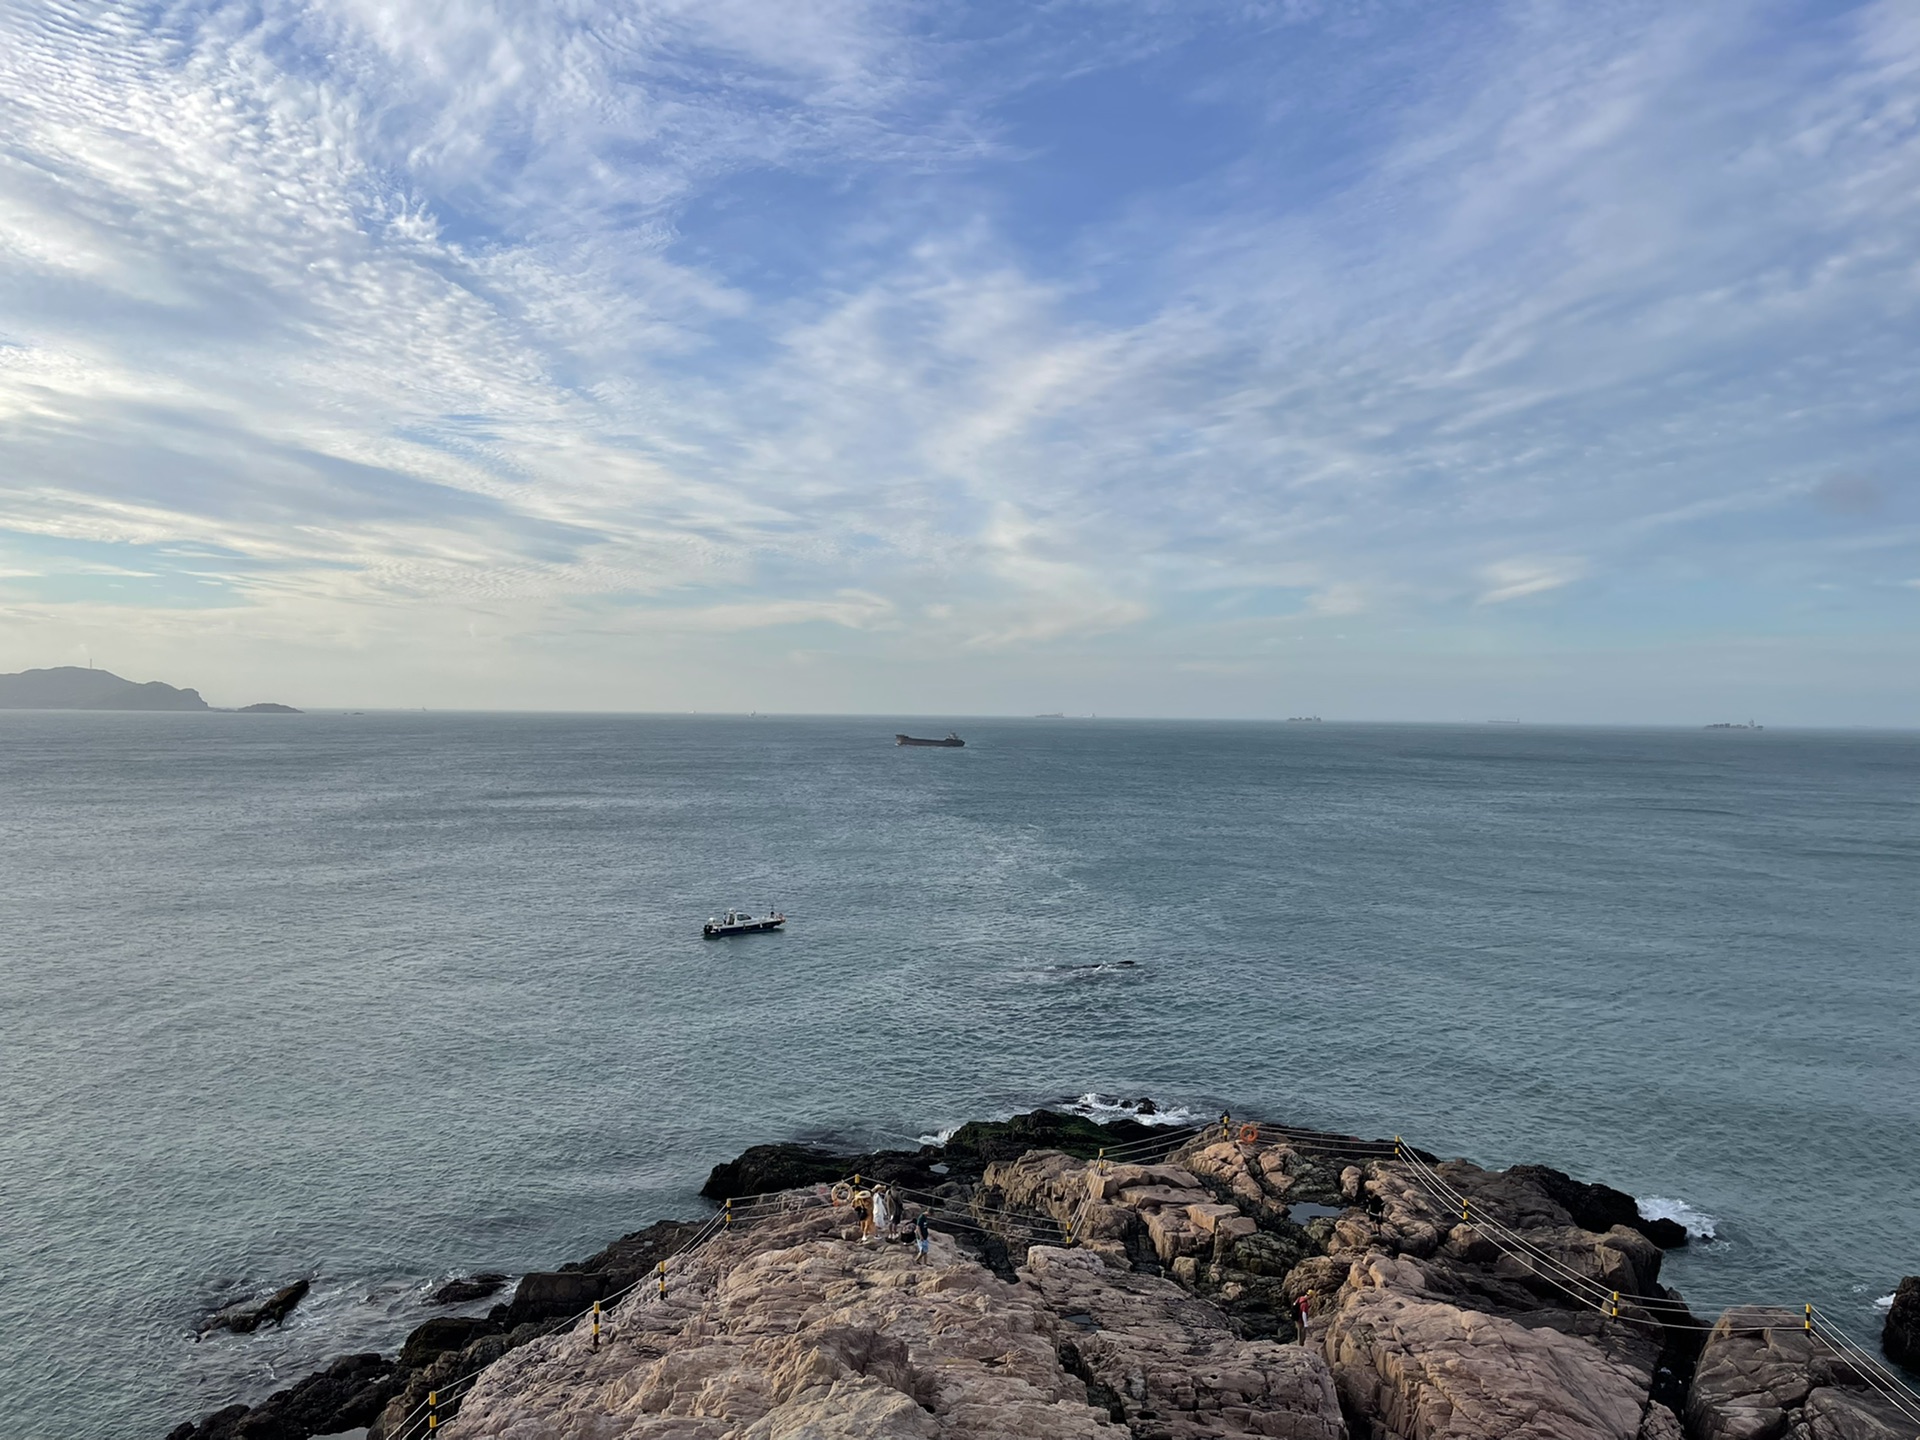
{"x": 1024, "y": 1227}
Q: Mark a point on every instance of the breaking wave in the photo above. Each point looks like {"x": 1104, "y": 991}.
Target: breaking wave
{"x": 1698, "y": 1223}
{"x": 1104, "y": 1108}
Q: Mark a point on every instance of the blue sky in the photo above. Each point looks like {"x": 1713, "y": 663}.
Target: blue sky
{"x": 1370, "y": 359}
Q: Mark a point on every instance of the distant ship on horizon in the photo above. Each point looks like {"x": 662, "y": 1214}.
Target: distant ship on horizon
{"x": 1735, "y": 725}
{"x": 952, "y": 742}
{"x": 1303, "y": 720}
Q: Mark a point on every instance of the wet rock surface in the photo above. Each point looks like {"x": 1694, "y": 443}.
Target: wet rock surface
{"x": 1900, "y": 1336}
{"x": 348, "y": 1394}
{"x": 468, "y": 1288}
{"x": 250, "y": 1315}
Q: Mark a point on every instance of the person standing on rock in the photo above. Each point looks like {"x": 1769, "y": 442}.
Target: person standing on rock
{"x": 882, "y": 1213}
{"x": 863, "y": 1207}
{"x": 1300, "y": 1317}
{"x": 922, "y": 1238}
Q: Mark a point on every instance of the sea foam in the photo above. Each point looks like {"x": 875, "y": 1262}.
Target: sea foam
{"x": 1698, "y": 1223}
{"x": 1105, "y": 1108}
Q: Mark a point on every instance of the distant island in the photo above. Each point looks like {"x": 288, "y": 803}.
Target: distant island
{"x": 73, "y": 687}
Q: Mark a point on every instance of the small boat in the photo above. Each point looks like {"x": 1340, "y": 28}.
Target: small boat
{"x": 952, "y": 742}
{"x": 739, "y": 922}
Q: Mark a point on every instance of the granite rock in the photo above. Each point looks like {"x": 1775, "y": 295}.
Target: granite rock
{"x": 1900, "y": 1336}
{"x": 1763, "y": 1377}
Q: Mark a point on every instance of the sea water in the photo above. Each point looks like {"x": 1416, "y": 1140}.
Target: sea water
{"x": 379, "y": 999}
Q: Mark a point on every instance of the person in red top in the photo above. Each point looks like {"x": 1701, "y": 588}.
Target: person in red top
{"x": 1300, "y": 1317}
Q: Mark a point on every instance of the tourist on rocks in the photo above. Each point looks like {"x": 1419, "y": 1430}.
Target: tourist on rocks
{"x": 882, "y": 1212}
{"x": 922, "y": 1238}
{"x": 1300, "y": 1317}
{"x": 863, "y": 1207}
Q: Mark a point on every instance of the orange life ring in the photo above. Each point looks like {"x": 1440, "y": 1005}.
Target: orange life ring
{"x": 1250, "y": 1134}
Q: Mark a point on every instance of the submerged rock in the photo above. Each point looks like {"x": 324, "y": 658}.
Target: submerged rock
{"x": 248, "y": 1316}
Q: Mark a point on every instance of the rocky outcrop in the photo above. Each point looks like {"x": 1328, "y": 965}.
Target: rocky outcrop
{"x": 792, "y": 1330}
{"x": 789, "y": 1330}
{"x": 1413, "y": 1364}
{"x": 980, "y": 1142}
{"x": 765, "y": 1169}
{"x": 468, "y": 1288}
{"x": 553, "y": 1294}
{"x": 1167, "y": 1364}
{"x": 250, "y": 1315}
{"x": 1078, "y": 1297}
{"x": 1900, "y": 1336}
{"x": 443, "y": 1335}
{"x": 1601, "y": 1207}
{"x": 1763, "y": 1377}
{"x": 344, "y": 1396}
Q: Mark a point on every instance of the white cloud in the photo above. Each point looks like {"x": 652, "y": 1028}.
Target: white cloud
{"x": 401, "y": 304}
{"x": 1515, "y": 579}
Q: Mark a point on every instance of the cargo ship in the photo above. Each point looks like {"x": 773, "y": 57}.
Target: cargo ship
{"x": 952, "y": 742}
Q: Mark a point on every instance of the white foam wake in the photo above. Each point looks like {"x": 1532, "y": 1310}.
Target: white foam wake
{"x": 1101, "y": 1109}
{"x": 1885, "y": 1302}
{"x": 1698, "y": 1223}
{"x": 1105, "y": 1108}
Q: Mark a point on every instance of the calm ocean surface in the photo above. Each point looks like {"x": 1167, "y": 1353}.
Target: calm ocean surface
{"x": 380, "y": 999}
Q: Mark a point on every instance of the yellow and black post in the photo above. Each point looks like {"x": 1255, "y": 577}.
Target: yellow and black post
{"x": 433, "y": 1411}
{"x": 1616, "y": 1305}
{"x": 728, "y": 1222}
{"x": 1809, "y": 1319}
{"x": 596, "y": 1324}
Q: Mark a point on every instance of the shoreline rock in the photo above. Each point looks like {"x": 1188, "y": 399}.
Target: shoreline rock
{"x": 1078, "y": 1298}
{"x": 1900, "y": 1336}
{"x": 468, "y": 1288}
{"x": 346, "y": 1395}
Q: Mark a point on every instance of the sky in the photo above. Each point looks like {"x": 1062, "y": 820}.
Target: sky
{"x": 1450, "y": 361}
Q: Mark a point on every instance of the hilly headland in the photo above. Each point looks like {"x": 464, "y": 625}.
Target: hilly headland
{"x": 75, "y": 687}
